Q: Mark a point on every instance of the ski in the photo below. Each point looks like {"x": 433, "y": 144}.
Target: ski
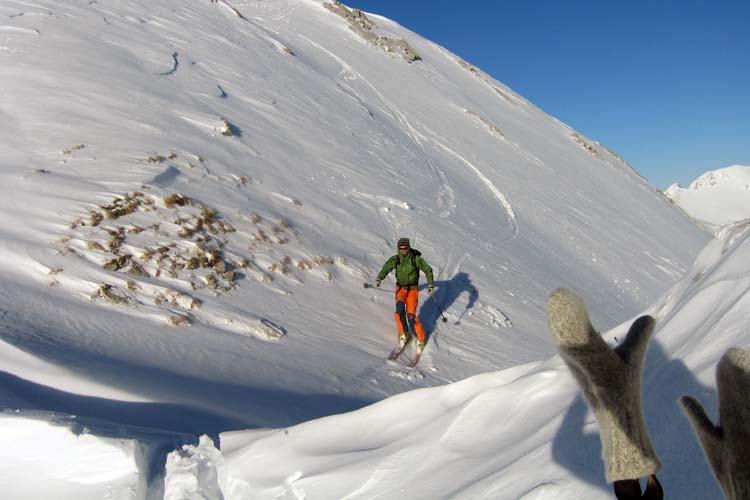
{"x": 415, "y": 359}
{"x": 396, "y": 352}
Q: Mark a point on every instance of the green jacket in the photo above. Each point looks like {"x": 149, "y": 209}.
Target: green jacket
{"x": 407, "y": 269}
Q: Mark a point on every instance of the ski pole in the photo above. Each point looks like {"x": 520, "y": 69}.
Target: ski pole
{"x": 369, "y": 285}
{"x": 440, "y": 310}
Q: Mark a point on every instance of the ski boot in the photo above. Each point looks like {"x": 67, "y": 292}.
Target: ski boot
{"x": 403, "y": 339}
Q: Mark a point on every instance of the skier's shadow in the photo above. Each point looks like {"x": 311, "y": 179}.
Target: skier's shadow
{"x": 685, "y": 473}
{"x": 446, "y": 293}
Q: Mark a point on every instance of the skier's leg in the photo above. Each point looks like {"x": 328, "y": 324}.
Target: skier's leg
{"x": 412, "y": 300}
{"x": 400, "y": 317}
{"x": 400, "y": 314}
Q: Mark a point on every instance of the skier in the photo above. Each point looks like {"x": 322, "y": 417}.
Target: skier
{"x": 407, "y": 263}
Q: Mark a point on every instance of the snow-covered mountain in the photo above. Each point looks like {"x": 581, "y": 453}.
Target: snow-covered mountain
{"x": 716, "y": 198}
{"x": 193, "y": 195}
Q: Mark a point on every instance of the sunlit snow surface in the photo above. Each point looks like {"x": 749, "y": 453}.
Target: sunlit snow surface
{"x": 716, "y": 198}
{"x": 192, "y": 197}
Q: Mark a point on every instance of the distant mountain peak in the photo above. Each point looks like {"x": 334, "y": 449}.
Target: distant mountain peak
{"x": 734, "y": 176}
{"x": 716, "y": 198}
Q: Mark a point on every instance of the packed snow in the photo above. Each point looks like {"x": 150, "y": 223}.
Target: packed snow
{"x": 192, "y": 198}
{"x": 46, "y": 456}
{"x": 716, "y": 198}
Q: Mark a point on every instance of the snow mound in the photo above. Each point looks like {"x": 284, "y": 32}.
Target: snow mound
{"x": 193, "y": 472}
{"x": 45, "y": 456}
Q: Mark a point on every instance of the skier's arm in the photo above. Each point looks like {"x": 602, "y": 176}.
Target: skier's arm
{"x": 427, "y": 270}
{"x": 389, "y": 266}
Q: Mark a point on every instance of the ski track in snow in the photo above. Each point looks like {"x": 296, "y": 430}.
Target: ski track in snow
{"x": 446, "y": 196}
{"x": 501, "y": 137}
{"x": 15, "y": 32}
{"x": 524, "y": 152}
{"x": 350, "y": 73}
{"x": 266, "y": 32}
{"x": 13, "y": 38}
{"x": 496, "y": 193}
{"x": 382, "y": 200}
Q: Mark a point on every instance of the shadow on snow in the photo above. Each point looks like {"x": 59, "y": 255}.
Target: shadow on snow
{"x": 446, "y": 294}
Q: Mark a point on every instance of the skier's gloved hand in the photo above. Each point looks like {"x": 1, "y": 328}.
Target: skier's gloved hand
{"x": 611, "y": 381}
{"x": 725, "y": 444}
{"x": 377, "y": 283}
{"x": 430, "y": 289}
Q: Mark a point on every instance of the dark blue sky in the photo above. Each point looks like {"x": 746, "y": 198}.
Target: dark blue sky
{"x": 664, "y": 84}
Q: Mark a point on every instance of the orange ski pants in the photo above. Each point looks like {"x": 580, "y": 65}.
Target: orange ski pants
{"x": 407, "y": 300}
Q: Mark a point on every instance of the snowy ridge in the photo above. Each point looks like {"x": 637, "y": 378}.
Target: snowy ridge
{"x": 192, "y": 196}
{"x": 716, "y": 198}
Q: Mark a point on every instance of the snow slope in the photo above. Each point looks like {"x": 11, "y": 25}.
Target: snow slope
{"x": 716, "y": 198}
{"x": 193, "y": 195}
{"x": 522, "y": 432}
